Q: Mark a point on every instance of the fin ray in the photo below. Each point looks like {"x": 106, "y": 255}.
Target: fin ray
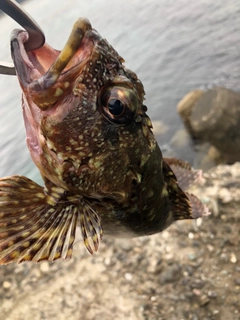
{"x": 183, "y": 204}
{"x": 31, "y": 229}
{"x": 186, "y": 176}
{"x": 198, "y": 208}
{"x": 90, "y": 228}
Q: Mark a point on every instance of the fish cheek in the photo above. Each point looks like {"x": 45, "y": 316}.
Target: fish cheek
{"x": 110, "y": 133}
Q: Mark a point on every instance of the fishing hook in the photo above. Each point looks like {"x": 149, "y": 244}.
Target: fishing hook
{"x": 36, "y": 36}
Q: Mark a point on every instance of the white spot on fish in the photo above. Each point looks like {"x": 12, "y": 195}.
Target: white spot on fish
{"x": 58, "y": 92}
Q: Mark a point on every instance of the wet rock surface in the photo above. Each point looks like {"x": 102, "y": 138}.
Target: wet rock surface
{"x": 214, "y": 117}
{"x": 190, "y": 271}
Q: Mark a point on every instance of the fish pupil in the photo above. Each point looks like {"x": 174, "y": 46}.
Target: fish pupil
{"x": 115, "y": 107}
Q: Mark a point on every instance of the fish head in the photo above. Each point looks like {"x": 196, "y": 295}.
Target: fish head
{"x": 86, "y": 124}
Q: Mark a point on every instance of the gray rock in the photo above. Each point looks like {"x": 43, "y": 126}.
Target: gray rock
{"x": 214, "y": 117}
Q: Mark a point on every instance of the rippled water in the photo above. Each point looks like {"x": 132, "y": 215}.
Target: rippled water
{"x": 173, "y": 46}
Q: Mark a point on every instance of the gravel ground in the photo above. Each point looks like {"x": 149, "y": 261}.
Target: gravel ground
{"x": 190, "y": 271}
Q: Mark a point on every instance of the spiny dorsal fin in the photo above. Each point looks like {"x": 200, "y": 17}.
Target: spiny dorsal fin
{"x": 198, "y": 208}
{"x": 178, "y": 175}
{"x": 186, "y": 176}
{"x": 33, "y": 230}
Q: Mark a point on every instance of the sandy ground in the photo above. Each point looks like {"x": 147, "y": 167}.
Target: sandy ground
{"x": 190, "y": 271}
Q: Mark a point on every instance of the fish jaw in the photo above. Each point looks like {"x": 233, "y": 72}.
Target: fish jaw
{"x": 43, "y": 99}
{"x": 42, "y": 73}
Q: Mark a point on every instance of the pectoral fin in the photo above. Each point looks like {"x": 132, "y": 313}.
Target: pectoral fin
{"x": 31, "y": 229}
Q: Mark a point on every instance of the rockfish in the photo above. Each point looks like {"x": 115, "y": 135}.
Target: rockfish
{"x": 91, "y": 139}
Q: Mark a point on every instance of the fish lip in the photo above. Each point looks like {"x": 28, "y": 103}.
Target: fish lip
{"x": 23, "y": 59}
{"x": 29, "y": 64}
{"x": 20, "y": 56}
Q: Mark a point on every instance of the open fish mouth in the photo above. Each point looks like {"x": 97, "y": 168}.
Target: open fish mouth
{"x": 43, "y": 72}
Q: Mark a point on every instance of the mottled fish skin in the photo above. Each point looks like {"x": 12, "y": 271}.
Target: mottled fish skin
{"x": 91, "y": 139}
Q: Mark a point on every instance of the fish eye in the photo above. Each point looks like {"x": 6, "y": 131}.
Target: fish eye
{"x": 115, "y": 106}
{"x": 118, "y": 104}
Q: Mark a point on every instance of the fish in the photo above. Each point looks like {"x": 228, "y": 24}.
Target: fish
{"x": 89, "y": 134}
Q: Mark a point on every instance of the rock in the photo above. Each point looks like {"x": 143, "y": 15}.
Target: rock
{"x": 44, "y": 267}
{"x": 190, "y": 271}
{"x": 171, "y": 274}
{"x": 6, "y": 284}
{"x": 214, "y": 117}
{"x": 204, "y": 300}
{"x": 128, "y": 276}
{"x": 186, "y": 105}
{"x": 212, "y": 294}
{"x": 233, "y": 258}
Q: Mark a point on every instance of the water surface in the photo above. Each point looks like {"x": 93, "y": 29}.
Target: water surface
{"x": 173, "y": 46}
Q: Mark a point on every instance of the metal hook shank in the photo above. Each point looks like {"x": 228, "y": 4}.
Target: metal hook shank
{"x": 36, "y": 36}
